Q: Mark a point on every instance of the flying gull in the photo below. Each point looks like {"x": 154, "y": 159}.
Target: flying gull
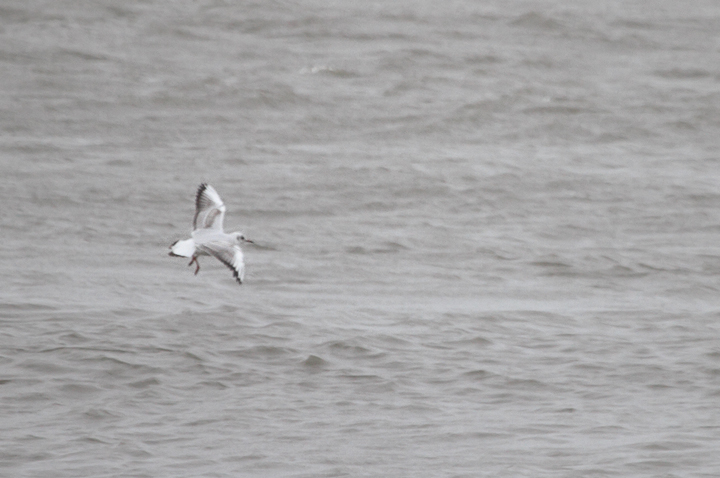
{"x": 208, "y": 237}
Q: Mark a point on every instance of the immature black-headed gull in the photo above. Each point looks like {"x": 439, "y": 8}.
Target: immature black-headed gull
{"x": 208, "y": 237}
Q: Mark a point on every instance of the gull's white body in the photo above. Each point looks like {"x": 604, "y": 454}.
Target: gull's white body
{"x": 208, "y": 237}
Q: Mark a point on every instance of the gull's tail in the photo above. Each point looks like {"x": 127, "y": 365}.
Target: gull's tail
{"x": 184, "y": 248}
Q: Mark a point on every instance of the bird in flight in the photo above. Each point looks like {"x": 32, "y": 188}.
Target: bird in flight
{"x": 208, "y": 237}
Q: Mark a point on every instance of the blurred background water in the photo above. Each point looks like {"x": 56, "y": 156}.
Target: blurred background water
{"x": 487, "y": 238}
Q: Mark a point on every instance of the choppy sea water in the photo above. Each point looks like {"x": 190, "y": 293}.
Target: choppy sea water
{"x": 487, "y": 239}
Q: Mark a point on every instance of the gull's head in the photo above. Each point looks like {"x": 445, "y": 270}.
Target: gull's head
{"x": 239, "y": 238}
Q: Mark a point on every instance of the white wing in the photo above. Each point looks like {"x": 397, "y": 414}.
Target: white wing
{"x": 209, "y": 209}
{"x": 229, "y": 254}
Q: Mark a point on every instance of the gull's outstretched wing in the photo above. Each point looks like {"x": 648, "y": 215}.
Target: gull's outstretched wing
{"x": 229, "y": 254}
{"x": 209, "y": 209}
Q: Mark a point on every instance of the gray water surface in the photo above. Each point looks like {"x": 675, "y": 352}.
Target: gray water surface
{"x": 488, "y": 239}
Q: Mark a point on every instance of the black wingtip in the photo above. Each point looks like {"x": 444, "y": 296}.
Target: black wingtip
{"x": 200, "y": 190}
{"x": 230, "y": 266}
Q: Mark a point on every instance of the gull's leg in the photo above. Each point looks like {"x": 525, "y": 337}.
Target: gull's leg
{"x": 197, "y": 264}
